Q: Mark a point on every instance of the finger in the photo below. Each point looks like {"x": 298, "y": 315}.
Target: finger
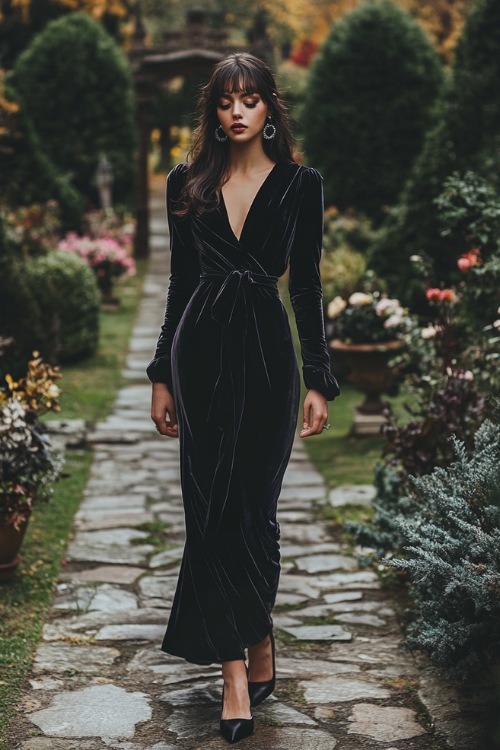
{"x": 162, "y": 424}
{"x": 306, "y": 416}
{"x": 318, "y": 420}
{"x": 172, "y": 416}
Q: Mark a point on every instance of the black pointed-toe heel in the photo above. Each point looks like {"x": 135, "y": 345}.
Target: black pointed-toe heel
{"x": 259, "y": 691}
{"x": 234, "y": 730}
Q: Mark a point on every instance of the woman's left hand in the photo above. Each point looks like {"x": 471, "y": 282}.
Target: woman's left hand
{"x": 315, "y": 414}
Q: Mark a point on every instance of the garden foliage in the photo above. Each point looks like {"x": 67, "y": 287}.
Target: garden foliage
{"x": 465, "y": 134}
{"x": 367, "y": 105}
{"x": 28, "y": 175}
{"x": 453, "y": 557}
{"x": 35, "y": 313}
{"x": 75, "y": 87}
{"x": 29, "y": 464}
{"x": 452, "y": 364}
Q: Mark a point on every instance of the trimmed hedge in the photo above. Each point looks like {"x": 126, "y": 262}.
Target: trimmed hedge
{"x": 75, "y": 87}
{"x": 465, "y": 135}
{"x": 367, "y": 105}
{"x": 50, "y": 303}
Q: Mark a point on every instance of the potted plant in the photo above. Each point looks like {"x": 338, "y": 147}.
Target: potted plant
{"x": 29, "y": 465}
{"x": 367, "y": 329}
{"x": 106, "y": 247}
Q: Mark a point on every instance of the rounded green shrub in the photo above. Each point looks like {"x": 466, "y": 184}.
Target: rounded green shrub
{"x": 50, "y": 303}
{"x": 465, "y": 135}
{"x": 76, "y": 90}
{"x": 367, "y": 105}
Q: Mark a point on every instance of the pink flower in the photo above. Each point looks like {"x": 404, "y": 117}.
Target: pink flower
{"x": 433, "y": 294}
{"x": 464, "y": 263}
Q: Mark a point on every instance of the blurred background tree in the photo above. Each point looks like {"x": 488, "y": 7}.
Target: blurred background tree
{"x": 75, "y": 88}
{"x": 21, "y": 20}
{"x": 465, "y": 135}
{"x": 367, "y": 105}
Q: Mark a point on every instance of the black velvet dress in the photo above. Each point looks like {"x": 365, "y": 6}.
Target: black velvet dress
{"x": 226, "y": 353}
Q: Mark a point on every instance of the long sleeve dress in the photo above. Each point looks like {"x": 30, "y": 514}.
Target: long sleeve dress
{"x": 225, "y": 351}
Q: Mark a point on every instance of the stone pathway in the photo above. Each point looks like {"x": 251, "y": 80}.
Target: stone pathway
{"x": 99, "y": 679}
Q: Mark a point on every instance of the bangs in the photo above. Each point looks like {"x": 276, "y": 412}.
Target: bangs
{"x": 236, "y": 79}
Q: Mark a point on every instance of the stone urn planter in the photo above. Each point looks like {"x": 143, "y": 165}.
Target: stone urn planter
{"x": 369, "y": 372}
{"x": 11, "y": 539}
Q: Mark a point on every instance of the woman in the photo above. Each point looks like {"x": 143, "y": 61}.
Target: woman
{"x": 225, "y": 375}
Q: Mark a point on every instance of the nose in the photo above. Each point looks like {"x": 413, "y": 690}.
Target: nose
{"x": 236, "y": 110}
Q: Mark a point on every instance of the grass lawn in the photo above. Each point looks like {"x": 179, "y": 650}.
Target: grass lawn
{"x": 25, "y": 600}
{"x": 89, "y": 389}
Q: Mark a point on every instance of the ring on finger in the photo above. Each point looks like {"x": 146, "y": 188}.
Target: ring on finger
{"x": 326, "y": 426}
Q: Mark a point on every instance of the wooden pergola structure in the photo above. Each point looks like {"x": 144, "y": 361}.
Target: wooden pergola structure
{"x": 194, "y": 50}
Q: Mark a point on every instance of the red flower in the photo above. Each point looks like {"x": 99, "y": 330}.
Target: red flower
{"x": 447, "y": 295}
{"x": 470, "y": 259}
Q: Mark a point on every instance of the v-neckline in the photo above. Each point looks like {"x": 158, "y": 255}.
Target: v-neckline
{"x": 223, "y": 202}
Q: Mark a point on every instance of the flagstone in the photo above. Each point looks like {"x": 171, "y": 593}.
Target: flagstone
{"x": 323, "y": 563}
{"x": 384, "y": 723}
{"x": 318, "y": 632}
{"x": 62, "y": 657}
{"x": 340, "y": 689}
{"x": 137, "y": 632}
{"x": 95, "y": 711}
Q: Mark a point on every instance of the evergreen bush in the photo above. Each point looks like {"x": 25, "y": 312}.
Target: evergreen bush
{"x": 28, "y": 175}
{"x": 453, "y": 557}
{"x": 75, "y": 87}
{"x": 51, "y": 304}
{"x": 465, "y": 135}
{"x": 367, "y": 105}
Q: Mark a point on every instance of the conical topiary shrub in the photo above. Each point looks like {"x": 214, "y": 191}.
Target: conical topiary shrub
{"x": 367, "y": 105}
{"x": 75, "y": 88}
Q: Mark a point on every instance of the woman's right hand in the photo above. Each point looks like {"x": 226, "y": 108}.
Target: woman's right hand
{"x": 163, "y": 411}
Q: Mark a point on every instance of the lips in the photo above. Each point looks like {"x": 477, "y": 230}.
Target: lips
{"x": 238, "y": 128}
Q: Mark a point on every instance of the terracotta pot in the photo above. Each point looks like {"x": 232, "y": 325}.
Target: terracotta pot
{"x": 369, "y": 373}
{"x": 10, "y": 544}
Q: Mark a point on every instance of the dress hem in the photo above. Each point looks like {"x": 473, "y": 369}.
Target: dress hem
{"x": 191, "y": 660}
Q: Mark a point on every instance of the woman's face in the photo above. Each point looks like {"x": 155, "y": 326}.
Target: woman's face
{"x": 242, "y": 115}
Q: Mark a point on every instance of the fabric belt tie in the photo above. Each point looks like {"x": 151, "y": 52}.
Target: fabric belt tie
{"x": 225, "y": 301}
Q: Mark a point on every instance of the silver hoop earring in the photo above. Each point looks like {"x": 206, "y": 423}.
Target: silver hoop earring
{"x": 221, "y": 137}
{"x": 269, "y": 134}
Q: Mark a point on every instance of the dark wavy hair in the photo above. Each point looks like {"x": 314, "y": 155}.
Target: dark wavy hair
{"x": 208, "y": 169}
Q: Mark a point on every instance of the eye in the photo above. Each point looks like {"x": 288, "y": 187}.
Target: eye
{"x": 223, "y": 106}
{"x": 251, "y": 105}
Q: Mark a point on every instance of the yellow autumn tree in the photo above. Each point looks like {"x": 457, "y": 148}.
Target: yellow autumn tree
{"x": 312, "y": 19}
{"x": 96, "y": 8}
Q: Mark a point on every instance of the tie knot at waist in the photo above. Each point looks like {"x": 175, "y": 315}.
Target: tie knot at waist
{"x": 225, "y": 300}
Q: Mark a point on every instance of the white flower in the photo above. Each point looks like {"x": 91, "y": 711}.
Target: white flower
{"x": 393, "y": 321}
{"x": 468, "y": 375}
{"x": 429, "y": 332}
{"x": 496, "y": 323}
{"x": 335, "y": 307}
{"x": 416, "y": 258}
{"x": 359, "y": 298}
{"x": 53, "y": 391}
